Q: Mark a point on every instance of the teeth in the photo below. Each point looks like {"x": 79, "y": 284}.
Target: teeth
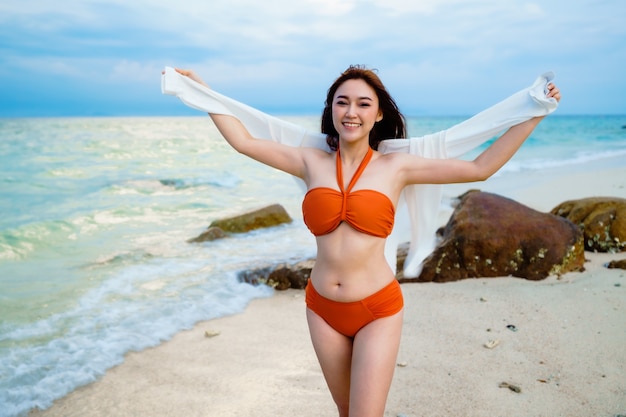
{"x": 352, "y": 124}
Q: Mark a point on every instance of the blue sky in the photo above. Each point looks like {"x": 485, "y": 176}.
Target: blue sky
{"x": 437, "y": 57}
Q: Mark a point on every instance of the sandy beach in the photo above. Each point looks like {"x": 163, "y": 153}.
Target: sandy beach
{"x": 560, "y": 341}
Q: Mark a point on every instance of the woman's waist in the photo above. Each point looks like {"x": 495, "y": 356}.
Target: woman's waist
{"x": 345, "y": 285}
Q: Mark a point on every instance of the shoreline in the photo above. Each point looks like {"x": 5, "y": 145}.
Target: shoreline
{"x": 566, "y": 354}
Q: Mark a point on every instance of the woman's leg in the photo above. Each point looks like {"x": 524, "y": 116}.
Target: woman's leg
{"x": 374, "y": 355}
{"x": 334, "y": 353}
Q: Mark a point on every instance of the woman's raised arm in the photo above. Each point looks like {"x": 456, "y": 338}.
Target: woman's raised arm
{"x": 443, "y": 171}
{"x": 286, "y": 158}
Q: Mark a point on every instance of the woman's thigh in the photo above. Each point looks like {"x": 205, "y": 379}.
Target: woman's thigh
{"x": 334, "y": 353}
{"x": 374, "y": 355}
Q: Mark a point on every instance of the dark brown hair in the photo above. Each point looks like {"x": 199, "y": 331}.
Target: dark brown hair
{"x": 392, "y": 126}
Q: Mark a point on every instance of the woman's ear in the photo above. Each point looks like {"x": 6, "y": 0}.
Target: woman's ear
{"x": 380, "y": 116}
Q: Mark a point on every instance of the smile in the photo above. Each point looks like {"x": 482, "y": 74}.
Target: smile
{"x": 346, "y": 124}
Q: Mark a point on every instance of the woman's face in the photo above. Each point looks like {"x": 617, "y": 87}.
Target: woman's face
{"x": 355, "y": 110}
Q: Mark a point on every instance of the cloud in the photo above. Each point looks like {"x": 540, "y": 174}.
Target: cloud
{"x": 286, "y": 53}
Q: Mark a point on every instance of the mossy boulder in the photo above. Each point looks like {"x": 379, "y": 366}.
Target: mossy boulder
{"x": 264, "y": 217}
{"x": 492, "y": 236}
{"x": 602, "y": 220}
{"x": 269, "y": 216}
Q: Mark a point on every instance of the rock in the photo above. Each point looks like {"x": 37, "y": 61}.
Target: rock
{"x": 603, "y": 220}
{"x": 256, "y": 276}
{"x": 512, "y": 387}
{"x": 492, "y": 236}
{"x": 282, "y": 276}
{"x": 212, "y": 233}
{"x": 211, "y": 333}
{"x": 401, "y": 254}
{"x": 490, "y": 344}
{"x": 291, "y": 276}
{"x": 617, "y": 264}
{"x": 265, "y": 217}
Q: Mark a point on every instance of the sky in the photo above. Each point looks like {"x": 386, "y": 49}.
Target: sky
{"x": 436, "y": 57}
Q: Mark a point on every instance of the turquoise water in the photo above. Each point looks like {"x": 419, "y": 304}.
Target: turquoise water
{"x": 96, "y": 213}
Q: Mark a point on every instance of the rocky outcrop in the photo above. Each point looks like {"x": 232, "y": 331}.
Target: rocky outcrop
{"x": 602, "y": 220}
{"x": 617, "y": 264}
{"x": 280, "y": 277}
{"x": 265, "y": 217}
{"x": 486, "y": 236}
{"x": 212, "y": 233}
{"x": 492, "y": 236}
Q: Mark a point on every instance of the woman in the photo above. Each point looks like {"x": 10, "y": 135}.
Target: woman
{"x": 354, "y": 303}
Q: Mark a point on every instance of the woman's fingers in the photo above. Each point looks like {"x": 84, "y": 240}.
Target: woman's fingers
{"x": 554, "y": 92}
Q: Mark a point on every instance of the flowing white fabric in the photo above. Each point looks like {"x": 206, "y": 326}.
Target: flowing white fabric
{"x": 416, "y": 213}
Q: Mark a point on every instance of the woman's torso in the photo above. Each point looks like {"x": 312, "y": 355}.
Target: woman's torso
{"x": 351, "y": 264}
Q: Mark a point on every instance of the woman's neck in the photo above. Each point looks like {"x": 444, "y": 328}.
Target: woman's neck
{"x": 352, "y": 153}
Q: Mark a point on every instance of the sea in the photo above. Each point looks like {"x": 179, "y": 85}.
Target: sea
{"x": 96, "y": 214}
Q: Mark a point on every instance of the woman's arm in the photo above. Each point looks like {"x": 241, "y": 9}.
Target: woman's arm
{"x": 286, "y": 158}
{"x": 436, "y": 171}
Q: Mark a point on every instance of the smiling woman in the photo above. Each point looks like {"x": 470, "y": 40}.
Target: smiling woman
{"x": 367, "y": 90}
{"x": 354, "y": 302}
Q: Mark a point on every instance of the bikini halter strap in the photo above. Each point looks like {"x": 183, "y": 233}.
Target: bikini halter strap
{"x": 356, "y": 175}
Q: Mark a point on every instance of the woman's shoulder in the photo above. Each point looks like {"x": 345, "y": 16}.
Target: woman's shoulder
{"x": 395, "y": 157}
{"x": 318, "y": 153}
{"x": 397, "y": 164}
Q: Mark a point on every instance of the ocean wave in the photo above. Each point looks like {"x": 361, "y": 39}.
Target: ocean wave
{"x": 577, "y": 159}
{"x": 169, "y": 185}
{"x": 18, "y": 243}
{"x": 222, "y": 181}
{"x": 123, "y": 258}
{"x": 129, "y": 312}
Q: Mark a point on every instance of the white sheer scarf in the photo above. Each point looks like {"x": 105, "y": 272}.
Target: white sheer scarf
{"x": 417, "y": 210}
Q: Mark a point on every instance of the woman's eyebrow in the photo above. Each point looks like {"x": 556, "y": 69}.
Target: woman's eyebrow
{"x": 360, "y": 98}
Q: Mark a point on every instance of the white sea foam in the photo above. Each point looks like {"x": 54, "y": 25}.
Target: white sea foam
{"x": 73, "y": 348}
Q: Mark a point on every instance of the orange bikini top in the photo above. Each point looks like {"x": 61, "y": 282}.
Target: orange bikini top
{"x": 367, "y": 211}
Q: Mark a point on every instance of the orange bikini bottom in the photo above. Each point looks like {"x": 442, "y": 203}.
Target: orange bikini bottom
{"x": 349, "y": 317}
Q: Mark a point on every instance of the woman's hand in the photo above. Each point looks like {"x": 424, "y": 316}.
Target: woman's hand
{"x": 553, "y": 92}
{"x": 192, "y": 75}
